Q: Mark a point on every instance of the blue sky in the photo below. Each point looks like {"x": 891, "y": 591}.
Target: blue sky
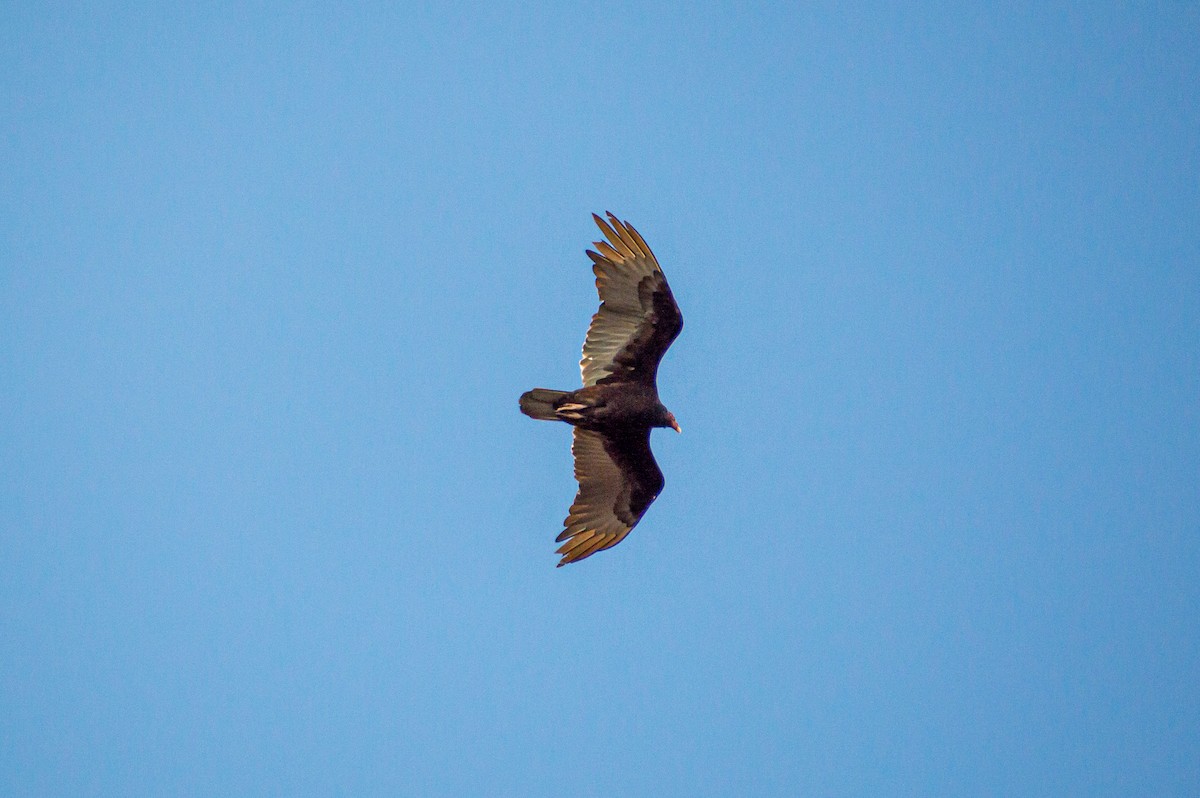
{"x": 271, "y": 281}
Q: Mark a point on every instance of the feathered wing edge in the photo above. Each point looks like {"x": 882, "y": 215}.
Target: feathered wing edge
{"x": 618, "y": 480}
{"x": 638, "y": 317}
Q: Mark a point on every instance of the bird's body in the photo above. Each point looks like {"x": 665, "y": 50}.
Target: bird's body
{"x": 618, "y": 404}
{"x": 600, "y": 407}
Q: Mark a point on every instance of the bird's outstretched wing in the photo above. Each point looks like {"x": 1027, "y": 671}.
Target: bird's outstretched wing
{"x": 618, "y": 480}
{"x": 638, "y": 318}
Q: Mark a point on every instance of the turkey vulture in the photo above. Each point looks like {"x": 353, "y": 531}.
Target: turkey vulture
{"x": 618, "y": 404}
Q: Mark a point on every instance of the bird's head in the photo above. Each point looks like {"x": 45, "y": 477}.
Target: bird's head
{"x": 668, "y": 420}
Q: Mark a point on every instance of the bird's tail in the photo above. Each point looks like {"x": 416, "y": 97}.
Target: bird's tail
{"x": 539, "y": 403}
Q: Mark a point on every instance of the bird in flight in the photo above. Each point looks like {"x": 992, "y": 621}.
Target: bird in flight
{"x": 618, "y": 404}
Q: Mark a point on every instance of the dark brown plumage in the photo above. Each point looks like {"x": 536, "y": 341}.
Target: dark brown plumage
{"x": 618, "y": 404}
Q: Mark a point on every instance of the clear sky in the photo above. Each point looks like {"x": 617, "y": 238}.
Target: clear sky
{"x": 272, "y": 279}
